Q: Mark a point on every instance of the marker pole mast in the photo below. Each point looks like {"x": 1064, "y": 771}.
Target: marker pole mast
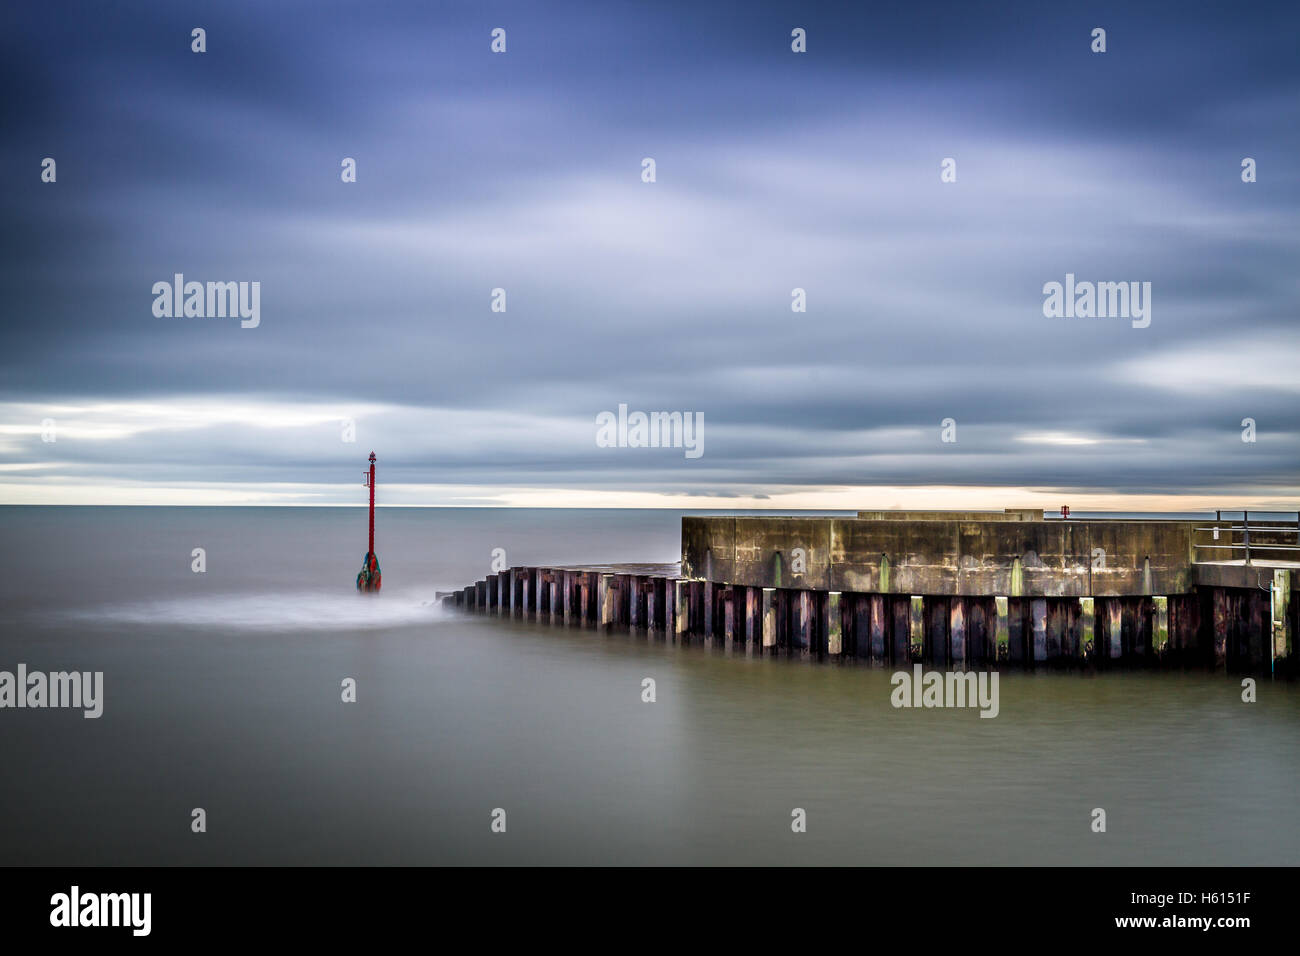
{"x": 372, "y": 503}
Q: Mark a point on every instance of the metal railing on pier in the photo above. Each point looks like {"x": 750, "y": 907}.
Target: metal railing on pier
{"x": 1274, "y": 534}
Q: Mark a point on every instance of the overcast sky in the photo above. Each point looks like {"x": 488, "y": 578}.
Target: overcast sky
{"x": 775, "y": 170}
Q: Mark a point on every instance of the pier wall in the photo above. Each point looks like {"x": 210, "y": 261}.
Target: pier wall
{"x": 1015, "y": 558}
{"x": 1213, "y": 627}
{"x": 956, "y": 590}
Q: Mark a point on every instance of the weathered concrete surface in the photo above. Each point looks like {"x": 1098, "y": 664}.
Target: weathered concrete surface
{"x": 1015, "y": 557}
{"x": 950, "y": 592}
{"x": 1238, "y": 574}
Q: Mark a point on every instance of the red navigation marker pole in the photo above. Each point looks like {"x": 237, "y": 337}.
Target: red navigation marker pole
{"x": 370, "y": 577}
{"x": 371, "y": 484}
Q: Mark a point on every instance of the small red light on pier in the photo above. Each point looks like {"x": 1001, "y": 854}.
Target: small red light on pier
{"x": 1065, "y": 511}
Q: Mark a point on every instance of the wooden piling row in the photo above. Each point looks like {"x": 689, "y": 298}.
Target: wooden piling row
{"x": 1226, "y": 628}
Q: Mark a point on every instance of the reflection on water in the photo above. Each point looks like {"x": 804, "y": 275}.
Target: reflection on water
{"x": 459, "y": 716}
{"x": 231, "y": 701}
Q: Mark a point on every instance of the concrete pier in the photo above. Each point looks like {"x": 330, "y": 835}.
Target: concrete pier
{"x": 954, "y": 590}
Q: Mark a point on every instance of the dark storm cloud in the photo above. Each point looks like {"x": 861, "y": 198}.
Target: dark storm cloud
{"x": 775, "y": 170}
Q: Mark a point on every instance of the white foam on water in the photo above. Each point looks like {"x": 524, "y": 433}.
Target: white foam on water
{"x": 276, "y": 611}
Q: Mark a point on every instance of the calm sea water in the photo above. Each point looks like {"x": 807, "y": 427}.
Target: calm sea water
{"x": 222, "y": 691}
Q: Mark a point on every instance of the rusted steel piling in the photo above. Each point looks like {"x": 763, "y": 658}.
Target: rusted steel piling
{"x": 968, "y": 590}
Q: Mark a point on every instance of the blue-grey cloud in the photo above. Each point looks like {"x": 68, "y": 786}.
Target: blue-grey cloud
{"x": 775, "y": 171}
